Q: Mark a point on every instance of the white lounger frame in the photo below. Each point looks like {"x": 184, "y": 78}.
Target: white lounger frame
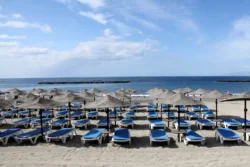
{"x": 121, "y": 141}
{"x": 200, "y": 125}
{"x": 153, "y": 140}
{"x": 63, "y": 138}
{"x": 26, "y": 124}
{"x": 175, "y": 125}
{"x": 149, "y": 117}
{"x": 129, "y": 116}
{"x": 62, "y": 116}
{"x": 44, "y": 124}
{"x": 226, "y": 125}
{"x": 189, "y": 117}
{"x": 3, "y": 120}
{"x": 152, "y": 126}
{"x": 127, "y": 125}
{"x": 5, "y": 139}
{"x": 25, "y": 115}
{"x": 85, "y": 125}
{"x": 78, "y": 117}
{"x": 205, "y": 116}
{"x": 99, "y": 139}
{"x": 32, "y": 139}
{"x": 186, "y": 140}
{"x": 96, "y": 116}
{"x": 62, "y": 125}
{"x": 103, "y": 125}
{"x": 221, "y": 139}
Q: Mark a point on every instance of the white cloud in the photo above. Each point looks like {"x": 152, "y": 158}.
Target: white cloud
{"x": 242, "y": 26}
{"x": 5, "y": 36}
{"x": 101, "y": 18}
{"x": 94, "y": 4}
{"x": 17, "y": 16}
{"x": 21, "y": 24}
{"x": 8, "y": 44}
{"x": 2, "y": 16}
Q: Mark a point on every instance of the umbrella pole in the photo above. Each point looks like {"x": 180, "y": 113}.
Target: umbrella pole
{"x": 41, "y": 122}
{"x": 29, "y": 115}
{"x": 179, "y": 122}
{"x": 107, "y": 112}
{"x": 168, "y": 114}
{"x": 115, "y": 115}
{"x": 161, "y": 111}
{"x": 216, "y": 112}
{"x": 245, "y": 116}
{"x": 69, "y": 105}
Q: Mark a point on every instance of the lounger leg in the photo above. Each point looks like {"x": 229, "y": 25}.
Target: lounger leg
{"x": 100, "y": 141}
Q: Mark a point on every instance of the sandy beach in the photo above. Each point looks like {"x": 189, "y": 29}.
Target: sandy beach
{"x": 140, "y": 153}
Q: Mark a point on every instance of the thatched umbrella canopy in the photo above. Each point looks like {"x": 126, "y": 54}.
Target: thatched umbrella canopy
{"x": 156, "y": 92}
{"x": 4, "y": 104}
{"x": 97, "y": 91}
{"x": 107, "y": 102}
{"x": 166, "y": 94}
{"x": 88, "y": 96}
{"x": 69, "y": 97}
{"x": 183, "y": 90}
{"x": 16, "y": 92}
{"x": 199, "y": 92}
{"x": 38, "y": 91}
{"x": 53, "y": 92}
{"x": 123, "y": 96}
{"x": 126, "y": 91}
{"x": 241, "y": 95}
{"x": 215, "y": 95}
{"x": 30, "y": 97}
{"x": 245, "y": 99}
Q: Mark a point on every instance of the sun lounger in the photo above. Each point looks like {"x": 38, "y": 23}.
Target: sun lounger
{"x": 164, "y": 107}
{"x": 183, "y": 124}
{"x": 5, "y": 135}
{"x": 242, "y": 122}
{"x": 2, "y": 120}
{"x": 112, "y": 114}
{"x": 46, "y": 114}
{"x": 37, "y": 122}
{"x": 151, "y": 108}
{"x": 226, "y": 134}
{"x": 61, "y": 134}
{"x": 77, "y": 114}
{"x": 133, "y": 108}
{"x": 201, "y": 122}
{"x": 230, "y": 123}
{"x": 23, "y": 122}
{"x": 59, "y": 123}
{"x": 156, "y": 124}
{"x": 208, "y": 115}
{"x": 191, "y": 115}
{"x": 151, "y": 103}
{"x": 191, "y": 136}
{"x": 103, "y": 123}
{"x": 152, "y": 115}
{"x": 170, "y": 115}
{"x": 62, "y": 114}
{"x": 158, "y": 135}
{"x": 121, "y": 135}
{"x": 130, "y": 114}
{"x": 10, "y": 114}
{"x": 183, "y": 109}
{"x": 25, "y": 113}
{"x": 92, "y": 114}
{"x": 94, "y": 135}
{"x": 32, "y": 136}
{"x": 81, "y": 123}
{"x": 204, "y": 108}
{"x": 64, "y": 107}
{"x": 125, "y": 122}
{"x": 196, "y": 108}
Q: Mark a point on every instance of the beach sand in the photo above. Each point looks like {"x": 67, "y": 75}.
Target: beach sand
{"x": 140, "y": 153}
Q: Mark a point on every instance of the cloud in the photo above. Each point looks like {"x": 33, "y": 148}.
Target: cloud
{"x": 21, "y": 24}
{"x": 101, "y": 18}
{"x": 94, "y": 4}
{"x": 8, "y": 44}
{"x": 2, "y": 16}
{"x": 17, "y": 16}
{"x": 5, "y": 36}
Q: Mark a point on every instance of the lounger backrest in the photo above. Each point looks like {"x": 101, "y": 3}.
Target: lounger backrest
{"x": 122, "y": 132}
{"x": 61, "y": 132}
{"x": 32, "y": 133}
{"x": 9, "y": 131}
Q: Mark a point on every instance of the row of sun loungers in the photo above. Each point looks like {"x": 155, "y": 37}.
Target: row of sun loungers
{"x": 120, "y": 135}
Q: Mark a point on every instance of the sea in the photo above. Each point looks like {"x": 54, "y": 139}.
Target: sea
{"x": 141, "y": 84}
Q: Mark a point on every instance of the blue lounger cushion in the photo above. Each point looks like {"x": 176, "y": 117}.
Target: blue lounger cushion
{"x": 192, "y": 135}
{"x": 171, "y": 114}
{"x": 242, "y": 121}
{"x": 127, "y": 121}
{"x": 10, "y": 113}
{"x": 228, "y": 133}
{"x": 159, "y": 134}
{"x": 59, "y": 122}
{"x": 152, "y": 114}
{"x": 38, "y": 121}
{"x": 81, "y": 121}
{"x": 204, "y": 108}
{"x": 60, "y": 132}
{"x": 102, "y": 121}
{"x": 230, "y": 122}
{"x": 32, "y": 133}
{"x": 205, "y": 121}
{"x": 192, "y": 114}
{"x": 182, "y": 122}
{"x": 121, "y": 134}
{"x": 156, "y": 122}
{"x": 164, "y": 107}
{"x": 24, "y": 112}
{"x": 94, "y": 133}
{"x": 92, "y": 113}
{"x": 76, "y": 114}
{"x": 25, "y": 120}
{"x": 9, "y": 132}
{"x": 130, "y": 114}
{"x": 133, "y": 107}
{"x": 196, "y": 108}
{"x": 62, "y": 113}
{"x": 46, "y": 113}
{"x": 151, "y": 108}
{"x": 208, "y": 113}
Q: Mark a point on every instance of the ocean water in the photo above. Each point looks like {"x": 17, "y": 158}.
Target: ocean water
{"x": 141, "y": 84}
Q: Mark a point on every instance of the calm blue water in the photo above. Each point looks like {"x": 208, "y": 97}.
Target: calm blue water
{"x": 142, "y": 84}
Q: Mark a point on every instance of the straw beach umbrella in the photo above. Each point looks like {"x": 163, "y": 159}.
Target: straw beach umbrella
{"x": 5, "y": 103}
{"x": 244, "y": 98}
{"x": 38, "y": 91}
{"x": 183, "y": 90}
{"x": 199, "y": 92}
{"x": 215, "y": 95}
{"x": 156, "y": 91}
{"x": 30, "y": 97}
{"x": 40, "y": 104}
{"x": 16, "y": 92}
{"x": 88, "y": 96}
{"x": 97, "y": 91}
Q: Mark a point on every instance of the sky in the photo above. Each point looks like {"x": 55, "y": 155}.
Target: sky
{"x": 92, "y": 38}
